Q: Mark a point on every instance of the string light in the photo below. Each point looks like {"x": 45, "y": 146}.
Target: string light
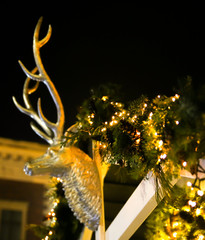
{"x": 104, "y": 98}
{"x": 200, "y": 193}
{"x": 192, "y": 203}
{"x": 201, "y": 237}
{"x": 175, "y": 234}
{"x": 189, "y": 184}
{"x": 184, "y": 164}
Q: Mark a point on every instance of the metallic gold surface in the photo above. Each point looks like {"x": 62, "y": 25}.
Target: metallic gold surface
{"x": 81, "y": 181}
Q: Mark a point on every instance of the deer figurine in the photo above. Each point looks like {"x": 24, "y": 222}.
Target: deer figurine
{"x": 79, "y": 173}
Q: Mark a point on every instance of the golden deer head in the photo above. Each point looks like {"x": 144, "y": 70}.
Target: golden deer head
{"x": 78, "y": 171}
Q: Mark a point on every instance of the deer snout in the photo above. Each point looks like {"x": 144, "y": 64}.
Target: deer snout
{"x": 27, "y": 169}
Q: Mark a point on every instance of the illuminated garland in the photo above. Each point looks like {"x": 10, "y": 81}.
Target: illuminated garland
{"x": 163, "y": 135}
{"x": 59, "y": 223}
{"x": 182, "y": 219}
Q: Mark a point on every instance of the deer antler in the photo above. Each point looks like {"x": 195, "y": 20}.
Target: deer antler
{"x": 52, "y": 131}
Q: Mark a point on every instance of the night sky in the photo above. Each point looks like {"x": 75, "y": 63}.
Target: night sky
{"x": 146, "y": 50}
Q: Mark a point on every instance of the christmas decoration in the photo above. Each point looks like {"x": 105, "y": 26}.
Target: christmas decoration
{"x": 162, "y": 135}
{"x": 78, "y": 171}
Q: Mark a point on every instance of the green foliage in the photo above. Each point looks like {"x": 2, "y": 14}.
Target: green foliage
{"x": 177, "y": 219}
{"x": 60, "y": 223}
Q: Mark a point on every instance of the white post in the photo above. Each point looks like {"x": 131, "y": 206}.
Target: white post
{"x": 138, "y": 207}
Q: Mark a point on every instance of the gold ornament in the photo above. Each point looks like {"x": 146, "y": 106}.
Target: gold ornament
{"x": 81, "y": 181}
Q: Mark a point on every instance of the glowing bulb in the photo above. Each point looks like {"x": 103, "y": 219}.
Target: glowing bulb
{"x": 92, "y": 115}
{"x": 50, "y": 233}
{"x": 175, "y": 224}
{"x": 173, "y": 99}
{"x": 105, "y": 98}
{"x": 163, "y": 156}
{"x": 177, "y": 122}
{"x": 160, "y": 143}
{"x": 200, "y": 193}
{"x": 177, "y": 96}
{"x": 103, "y": 129}
{"x": 159, "y": 96}
{"x": 189, "y": 184}
{"x": 191, "y": 203}
{"x": 198, "y": 211}
{"x": 46, "y": 238}
{"x": 175, "y": 234}
{"x": 184, "y": 164}
{"x": 201, "y": 237}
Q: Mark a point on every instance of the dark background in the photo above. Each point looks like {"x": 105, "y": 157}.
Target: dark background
{"x": 147, "y": 50}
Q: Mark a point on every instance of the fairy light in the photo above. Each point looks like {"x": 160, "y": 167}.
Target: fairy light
{"x": 177, "y": 122}
{"x": 163, "y": 156}
{"x": 201, "y": 237}
{"x": 184, "y": 164}
{"x": 175, "y": 234}
{"x": 50, "y": 233}
{"x": 175, "y": 224}
{"x": 189, "y": 184}
{"x": 104, "y": 98}
{"x": 173, "y": 99}
{"x": 46, "y": 238}
{"x": 92, "y": 115}
{"x": 192, "y": 203}
{"x": 158, "y": 96}
{"x": 103, "y": 129}
{"x": 198, "y": 211}
{"x": 150, "y": 115}
{"x": 200, "y": 193}
{"x": 160, "y": 143}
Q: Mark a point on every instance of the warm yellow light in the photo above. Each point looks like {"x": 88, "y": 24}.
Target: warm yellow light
{"x": 184, "y": 164}
{"x": 160, "y": 143}
{"x": 200, "y": 193}
{"x": 105, "y": 98}
{"x": 192, "y": 203}
{"x": 92, "y": 115}
{"x": 159, "y": 96}
{"x": 103, "y": 129}
{"x": 175, "y": 234}
{"x": 198, "y": 211}
{"x": 163, "y": 156}
{"x": 175, "y": 224}
{"x": 150, "y": 115}
{"x": 46, "y": 238}
{"x": 189, "y": 184}
{"x": 50, "y": 233}
{"x": 200, "y": 237}
{"x": 186, "y": 208}
{"x": 173, "y": 99}
{"x": 177, "y": 96}
{"x": 177, "y": 122}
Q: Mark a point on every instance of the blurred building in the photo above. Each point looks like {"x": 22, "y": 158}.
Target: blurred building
{"x": 22, "y": 199}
